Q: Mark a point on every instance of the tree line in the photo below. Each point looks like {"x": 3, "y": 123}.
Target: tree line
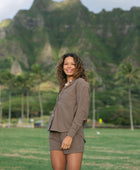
{"x": 24, "y": 83}
{"x": 126, "y": 75}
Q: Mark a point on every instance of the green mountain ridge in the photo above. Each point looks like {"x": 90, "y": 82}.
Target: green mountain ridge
{"x": 49, "y": 29}
{"x": 68, "y": 26}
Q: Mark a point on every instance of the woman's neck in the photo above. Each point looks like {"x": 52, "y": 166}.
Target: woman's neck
{"x": 69, "y": 79}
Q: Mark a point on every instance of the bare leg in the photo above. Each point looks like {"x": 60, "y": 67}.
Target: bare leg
{"x": 58, "y": 160}
{"x": 74, "y": 161}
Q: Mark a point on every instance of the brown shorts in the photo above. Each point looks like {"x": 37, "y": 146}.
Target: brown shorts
{"x": 56, "y": 138}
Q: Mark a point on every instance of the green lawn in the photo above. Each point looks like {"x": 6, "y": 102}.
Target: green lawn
{"x": 28, "y": 149}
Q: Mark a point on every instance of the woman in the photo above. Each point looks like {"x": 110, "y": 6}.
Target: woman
{"x": 69, "y": 115}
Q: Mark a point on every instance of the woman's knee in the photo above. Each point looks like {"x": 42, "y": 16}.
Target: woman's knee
{"x": 59, "y": 167}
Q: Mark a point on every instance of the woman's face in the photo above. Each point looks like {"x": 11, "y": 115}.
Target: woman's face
{"x": 69, "y": 66}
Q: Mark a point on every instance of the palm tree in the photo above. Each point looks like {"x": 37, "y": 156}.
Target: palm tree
{"x": 38, "y": 78}
{"x": 0, "y": 106}
{"x": 20, "y": 86}
{"x": 95, "y": 82}
{"x": 1, "y": 82}
{"x": 9, "y": 81}
{"x": 28, "y": 86}
{"x": 24, "y": 84}
{"x": 129, "y": 74}
{"x": 92, "y": 79}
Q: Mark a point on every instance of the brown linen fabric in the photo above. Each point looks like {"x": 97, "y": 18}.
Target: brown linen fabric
{"x": 71, "y": 109}
{"x": 56, "y": 138}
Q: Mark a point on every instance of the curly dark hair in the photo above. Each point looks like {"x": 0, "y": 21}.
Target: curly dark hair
{"x": 62, "y": 77}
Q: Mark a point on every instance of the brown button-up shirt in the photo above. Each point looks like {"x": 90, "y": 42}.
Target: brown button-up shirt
{"x": 71, "y": 109}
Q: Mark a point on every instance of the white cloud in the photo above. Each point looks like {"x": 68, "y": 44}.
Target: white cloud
{"x": 8, "y": 8}
{"x": 98, "y": 5}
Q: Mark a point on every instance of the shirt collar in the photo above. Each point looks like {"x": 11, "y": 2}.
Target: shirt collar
{"x": 70, "y": 83}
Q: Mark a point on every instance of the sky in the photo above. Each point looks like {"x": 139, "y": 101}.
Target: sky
{"x": 9, "y": 8}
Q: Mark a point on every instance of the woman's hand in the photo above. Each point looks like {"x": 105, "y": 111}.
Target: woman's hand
{"x": 66, "y": 144}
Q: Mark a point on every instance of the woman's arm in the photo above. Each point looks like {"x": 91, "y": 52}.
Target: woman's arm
{"x": 83, "y": 102}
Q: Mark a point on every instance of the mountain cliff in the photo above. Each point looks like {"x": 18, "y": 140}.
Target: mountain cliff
{"x": 49, "y": 29}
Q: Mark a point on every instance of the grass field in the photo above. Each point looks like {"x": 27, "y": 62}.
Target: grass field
{"x": 112, "y": 149}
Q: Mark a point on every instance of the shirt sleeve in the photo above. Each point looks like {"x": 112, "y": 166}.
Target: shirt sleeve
{"x": 83, "y": 102}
